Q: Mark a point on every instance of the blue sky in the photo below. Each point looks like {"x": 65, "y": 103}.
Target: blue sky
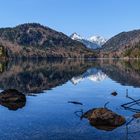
{"x": 86, "y": 17}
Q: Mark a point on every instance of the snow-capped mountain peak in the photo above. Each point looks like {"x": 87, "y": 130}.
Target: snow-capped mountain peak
{"x": 75, "y": 36}
{"x": 93, "y": 42}
{"x": 97, "y": 39}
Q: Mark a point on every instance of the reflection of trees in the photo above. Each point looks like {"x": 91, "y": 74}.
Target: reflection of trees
{"x": 1, "y": 51}
{"x": 2, "y": 66}
{"x": 39, "y": 75}
{"x": 36, "y": 76}
{"x": 123, "y": 72}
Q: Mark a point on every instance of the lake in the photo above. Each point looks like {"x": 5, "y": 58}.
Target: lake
{"x": 59, "y": 92}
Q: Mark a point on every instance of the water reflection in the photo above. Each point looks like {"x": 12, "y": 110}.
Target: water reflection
{"x": 93, "y": 74}
{"x": 36, "y": 76}
{"x": 59, "y": 104}
{"x": 123, "y": 72}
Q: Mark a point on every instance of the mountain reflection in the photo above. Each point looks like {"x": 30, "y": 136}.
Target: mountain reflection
{"x": 36, "y": 76}
{"x": 92, "y": 74}
{"x": 124, "y": 72}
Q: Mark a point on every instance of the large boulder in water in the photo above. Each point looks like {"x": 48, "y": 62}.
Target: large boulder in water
{"x": 12, "y": 99}
{"x": 104, "y": 119}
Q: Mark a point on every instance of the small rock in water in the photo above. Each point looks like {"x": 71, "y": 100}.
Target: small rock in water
{"x": 137, "y": 115}
{"x": 104, "y": 119}
{"x": 114, "y": 93}
{"x": 12, "y": 99}
{"x": 74, "y": 102}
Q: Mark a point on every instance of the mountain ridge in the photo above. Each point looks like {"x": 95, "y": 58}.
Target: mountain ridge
{"x": 124, "y": 44}
{"x": 33, "y": 40}
{"x": 36, "y": 40}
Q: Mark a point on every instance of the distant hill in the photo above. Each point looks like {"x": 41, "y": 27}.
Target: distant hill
{"x": 125, "y": 44}
{"x": 35, "y": 40}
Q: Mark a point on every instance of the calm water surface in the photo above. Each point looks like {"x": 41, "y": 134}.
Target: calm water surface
{"x": 50, "y": 85}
